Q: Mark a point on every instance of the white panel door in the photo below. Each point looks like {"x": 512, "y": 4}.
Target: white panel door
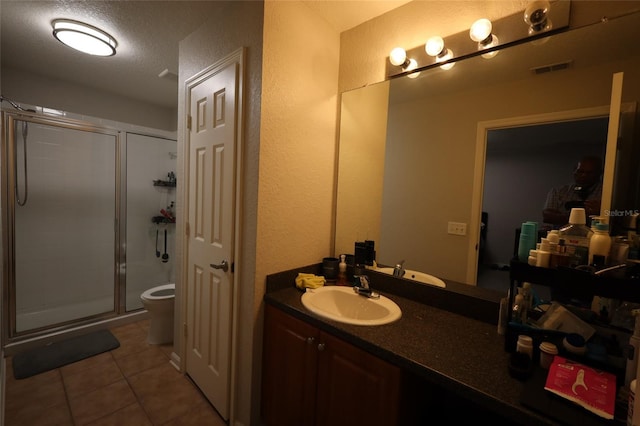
{"x": 211, "y": 186}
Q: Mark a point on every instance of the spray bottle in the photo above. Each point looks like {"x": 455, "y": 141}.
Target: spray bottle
{"x": 634, "y": 350}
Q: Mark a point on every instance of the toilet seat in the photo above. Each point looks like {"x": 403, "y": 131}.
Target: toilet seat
{"x": 161, "y": 292}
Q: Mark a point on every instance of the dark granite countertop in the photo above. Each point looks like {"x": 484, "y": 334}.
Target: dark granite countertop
{"x": 460, "y": 353}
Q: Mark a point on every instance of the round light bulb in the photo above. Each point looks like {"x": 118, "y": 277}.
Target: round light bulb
{"x": 536, "y": 13}
{"x": 480, "y": 30}
{"x": 434, "y": 46}
{"x": 412, "y": 66}
{"x": 398, "y": 56}
{"x": 442, "y": 58}
{"x": 494, "y": 42}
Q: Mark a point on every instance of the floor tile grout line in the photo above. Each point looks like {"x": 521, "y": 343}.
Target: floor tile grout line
{"x": 66, "y": 395}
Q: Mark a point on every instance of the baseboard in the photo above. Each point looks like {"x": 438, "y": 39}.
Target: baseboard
{"x": 175, "y": 361}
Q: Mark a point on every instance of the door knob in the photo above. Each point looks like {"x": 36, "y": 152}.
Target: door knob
{"x": 224, "y": 266}
{"x": 321, "y": 347}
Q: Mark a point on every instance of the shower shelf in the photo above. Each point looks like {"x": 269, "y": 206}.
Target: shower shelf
{"x": 164, "y": 183}
{"x": 162, "y": 219}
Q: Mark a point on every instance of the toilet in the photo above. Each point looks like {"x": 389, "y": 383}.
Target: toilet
{"x": 159, "y": 302}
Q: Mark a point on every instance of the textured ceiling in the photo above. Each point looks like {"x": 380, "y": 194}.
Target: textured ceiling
{"x": 147, "y": 32}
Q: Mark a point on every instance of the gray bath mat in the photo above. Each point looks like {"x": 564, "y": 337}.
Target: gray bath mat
{"x": 61, "y": 353}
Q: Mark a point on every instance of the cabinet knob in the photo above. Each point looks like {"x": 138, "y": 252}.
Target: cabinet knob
{"x": 310, "y": 340}
{"x": 321, "y": 347}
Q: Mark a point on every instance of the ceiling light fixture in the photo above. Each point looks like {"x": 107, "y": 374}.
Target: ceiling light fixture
{"x": 84, "y": 37}
{"x": 480, "y": 32}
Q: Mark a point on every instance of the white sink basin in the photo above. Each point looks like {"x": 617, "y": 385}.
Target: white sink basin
{"x": 416, "y": 276}
{"x": 344, "y": 305}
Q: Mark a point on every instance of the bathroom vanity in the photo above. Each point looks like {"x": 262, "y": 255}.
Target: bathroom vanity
{"x": 328, "y": 381}
{"x": 434, "y": 362}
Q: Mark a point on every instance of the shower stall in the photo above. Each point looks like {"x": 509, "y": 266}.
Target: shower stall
{"x": 86, "y": 221}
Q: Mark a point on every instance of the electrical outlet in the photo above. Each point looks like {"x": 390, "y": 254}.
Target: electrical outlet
{"x": 457, "y": 228}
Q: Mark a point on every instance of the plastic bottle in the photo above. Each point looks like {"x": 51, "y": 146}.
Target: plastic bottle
{"x": 577, "y": 236}
{"x": 544, "y": 254}
{"x": 342, "y": 271}
{"x": 553, "y": 236}
{"x": 525, "y": 345}
{"x": 527, "y": 240}
{"x": 519, "y": 311}
{"x": 527, "y": 297}
{"x": 600, "y": 243}
{"x": 554, "y": 239}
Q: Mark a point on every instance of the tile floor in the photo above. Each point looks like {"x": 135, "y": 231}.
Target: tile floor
{"x": 133, "y": 385}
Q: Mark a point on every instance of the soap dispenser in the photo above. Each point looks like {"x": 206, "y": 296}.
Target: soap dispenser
{"x": 342, "y": 271}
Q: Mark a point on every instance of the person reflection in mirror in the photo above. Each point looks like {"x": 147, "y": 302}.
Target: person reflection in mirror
{"x": 586, "y": 192}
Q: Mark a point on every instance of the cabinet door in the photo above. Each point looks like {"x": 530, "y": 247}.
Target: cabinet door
{"x": 355, "y": 387}
{"x": 289, "y": 370}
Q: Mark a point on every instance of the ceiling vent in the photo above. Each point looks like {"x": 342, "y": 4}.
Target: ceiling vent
{"x": 552, "y": 67}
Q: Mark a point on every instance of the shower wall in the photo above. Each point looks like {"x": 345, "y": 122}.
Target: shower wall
{"x": 149, "y": 159}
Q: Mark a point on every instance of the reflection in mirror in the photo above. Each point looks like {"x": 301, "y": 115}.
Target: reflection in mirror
{"x": 428, "y": 135}
{"x": 524, "y": 150}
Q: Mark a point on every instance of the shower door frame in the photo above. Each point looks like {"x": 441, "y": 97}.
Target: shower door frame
{"x": 8, "y": 166}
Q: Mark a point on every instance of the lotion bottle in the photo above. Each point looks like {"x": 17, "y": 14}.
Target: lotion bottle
{"x": 342, "y": 271}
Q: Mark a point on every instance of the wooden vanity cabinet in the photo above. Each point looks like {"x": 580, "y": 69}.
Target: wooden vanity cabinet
{"x": 313, "y": 378}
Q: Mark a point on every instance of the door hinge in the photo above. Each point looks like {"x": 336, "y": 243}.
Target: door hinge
{"x": 189, "y": 122}
{"x": 187, "y": 229}
{"x": 185, "y": 329}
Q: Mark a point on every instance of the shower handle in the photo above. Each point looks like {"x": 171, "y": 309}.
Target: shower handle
{"x": 165, "y": 255}
{"x": 224, "y": 266}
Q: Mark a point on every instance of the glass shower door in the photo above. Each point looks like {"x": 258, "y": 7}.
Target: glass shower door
{"x": 65, "y": 217}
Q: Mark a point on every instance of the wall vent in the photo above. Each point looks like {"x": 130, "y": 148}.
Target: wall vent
{"x": 552, "y": 67}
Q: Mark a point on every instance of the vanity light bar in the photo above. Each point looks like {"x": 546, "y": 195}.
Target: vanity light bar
{"x": 539, "y": 19}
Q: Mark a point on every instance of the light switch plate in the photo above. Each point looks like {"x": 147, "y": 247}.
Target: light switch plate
{"x": 457, "y": 228}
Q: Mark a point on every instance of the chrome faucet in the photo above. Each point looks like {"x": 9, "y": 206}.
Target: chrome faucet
{"x": 398, "y": 271}
{"x": 362, "y": 287}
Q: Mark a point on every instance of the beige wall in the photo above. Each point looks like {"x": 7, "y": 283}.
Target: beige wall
{"x": 297, "y": 145}
{"x": 297, "y": 138}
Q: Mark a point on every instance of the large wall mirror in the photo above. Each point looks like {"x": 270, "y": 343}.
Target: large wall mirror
{"x": 413, "y": 151}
